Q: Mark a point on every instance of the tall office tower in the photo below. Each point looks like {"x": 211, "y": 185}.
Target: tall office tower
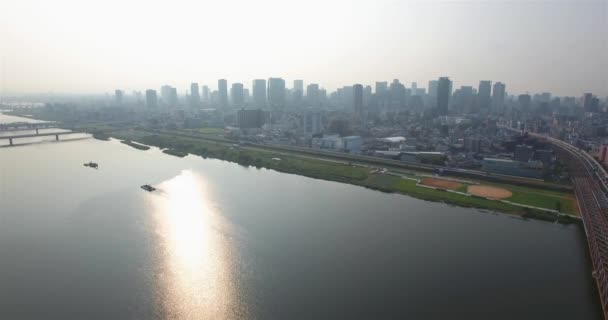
{"x": 414, "y": 88}
{"x": 463, "y": 100}
{"x": 443, "y": 95}
{"x": 381, "y": 87}
{"x": 195, "y": 98}
{"x": 151, "y": 100}
{"x": 118, "y": 97}
{"x": 238, "y": 95}
{"x": 587, "y": 101}
{"x": 498, "y": 97}
{"x": 137, "y": 95}
{"x": 259, "y": 93}
{"x": 205, "y": 94}
{"x": 483, "y": 95}
{"x": 380, "y": 94}
{"x": 569, "y": 102}
{"x": 173, "y": 97}
{"x": 165, "y": 92}
{"x": 432, "y": 95}
{"x": 433, "y": 88}
{"x": 297, "y": 93}
{"x": 312, "y": 95}
{"x": 322, "y": 96}
{"x": 298, "y": 86}
{"x": 276, "y": 93}
{"x": 397, "y": 95}
{"x": 524, "y": 100}
{"x": 545, "y": 97}
{"x": 367, "y": 95}
{"x": 358, "y": 99}
{"x": 222, "y": 90}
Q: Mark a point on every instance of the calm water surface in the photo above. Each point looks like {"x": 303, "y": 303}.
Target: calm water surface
{"x": 220, "y": 241}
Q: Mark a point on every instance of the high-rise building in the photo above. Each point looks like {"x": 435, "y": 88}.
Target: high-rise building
{"x": 358, "y": 99}
{"x": 118, "y": 97}
{"x": 168, "y": 95}
{"x": 298, "y": 93}
{"x": 433, "y": 88}
{"x": 165, "y": 92}
{"x": 222, "y": 89}
{"x": 173, "y": 97}
{"x": 259, "y": 93}
{"x": 205, "y": 95}
{"x": 524, "y": 100}
{"x": 312, "y": 95}
{"x": 432, "y": 96}
{"x": 414, "y": 88}
{"x": 151, "y": 99}
{"x": 463, "y": 99}
{"x": 367, "y": 95}
{"x": 588, "y": 102}
{"x": 380, "y": 94}
{"x": 397, "y": 95}
{"x": 238, "y": 95}
{"x": 276, "y": 93}
{"x": 443, "y": 95}
{"x": 195, "y": 98}
{"x": 483, "y": 95}
{"x": 298, "y": 86}
{"x": 381, "y": 87}
{"x": 498, "y": 97}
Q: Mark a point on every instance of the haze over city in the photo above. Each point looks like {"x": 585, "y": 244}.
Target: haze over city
{"x": 79, "y": 47}
{"x": 270, "y": 159}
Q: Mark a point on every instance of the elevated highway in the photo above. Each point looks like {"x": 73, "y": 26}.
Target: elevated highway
{"x": 589, "y": 182}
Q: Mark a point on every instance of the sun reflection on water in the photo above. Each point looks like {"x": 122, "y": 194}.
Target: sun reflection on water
{"x": 197, "y": 270}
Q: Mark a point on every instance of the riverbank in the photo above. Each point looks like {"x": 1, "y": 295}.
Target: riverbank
{"x": 525, "y": 202}
{"x": 134, "y": 145}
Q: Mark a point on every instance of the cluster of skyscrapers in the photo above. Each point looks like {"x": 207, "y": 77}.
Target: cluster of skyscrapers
{"x": 438, "y": 99}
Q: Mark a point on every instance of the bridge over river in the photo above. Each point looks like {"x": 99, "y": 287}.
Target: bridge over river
{"x": 11, "y": 138}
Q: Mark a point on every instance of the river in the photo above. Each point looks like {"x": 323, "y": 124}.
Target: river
{"x": 220, "y": 241}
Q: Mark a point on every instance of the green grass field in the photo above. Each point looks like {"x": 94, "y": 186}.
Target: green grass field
{"x": 211, "y": 131}
{"x": 391, "y": 183}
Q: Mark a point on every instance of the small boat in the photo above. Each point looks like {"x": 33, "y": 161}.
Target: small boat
{"x": 148, "y": 187}
{"x": 91, "y": 165}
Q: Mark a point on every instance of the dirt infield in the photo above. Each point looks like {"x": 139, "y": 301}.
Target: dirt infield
{"x": 489, "y": 192}
{"x": 440, "y": 183}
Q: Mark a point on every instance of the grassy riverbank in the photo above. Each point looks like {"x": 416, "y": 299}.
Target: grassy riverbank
{"x": 353, "y": 174}
{"x": 135, "y": 145}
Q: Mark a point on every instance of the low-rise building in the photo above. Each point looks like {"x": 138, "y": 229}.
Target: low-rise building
{"x": 531, "y": 169}
{"x": 352, "y": 144}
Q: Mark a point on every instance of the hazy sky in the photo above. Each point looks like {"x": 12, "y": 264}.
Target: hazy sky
{"x": 65, "y": 46}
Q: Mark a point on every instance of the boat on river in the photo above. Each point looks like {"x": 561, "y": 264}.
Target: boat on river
{"x": 148, "y": 187}
{"x": 91, "y": 165}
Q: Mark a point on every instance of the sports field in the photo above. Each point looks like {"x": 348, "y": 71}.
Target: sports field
{"x": 489, "y": 192}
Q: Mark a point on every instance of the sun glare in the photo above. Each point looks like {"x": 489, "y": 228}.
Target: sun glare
{"x": 197, "y": 276}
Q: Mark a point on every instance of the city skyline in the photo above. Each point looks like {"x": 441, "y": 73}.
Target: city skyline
{"x": 539, "y": 53}
{"x": 272, "y": 159}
